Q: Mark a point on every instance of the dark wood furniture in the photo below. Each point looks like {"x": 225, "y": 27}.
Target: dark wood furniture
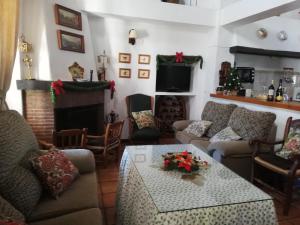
{"x": 108, "y": 144}
{"x": 288, "y": 169}
{"x": 169, "y": 109}
{"x": 137, "y": 103}
{"x": 70, "y": 139}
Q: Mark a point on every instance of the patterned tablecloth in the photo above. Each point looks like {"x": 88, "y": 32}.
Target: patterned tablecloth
{"x": 147, "y": 195}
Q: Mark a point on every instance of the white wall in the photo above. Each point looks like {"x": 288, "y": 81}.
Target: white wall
{"x": 111, "y": 35}
{"x": 39, "y": 28}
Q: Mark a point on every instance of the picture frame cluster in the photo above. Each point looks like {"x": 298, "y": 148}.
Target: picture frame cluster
{"x": 143, "y": 59}
{"x": 67, "y": 17}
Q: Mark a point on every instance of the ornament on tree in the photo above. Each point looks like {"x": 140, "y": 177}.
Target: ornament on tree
{"x": 233, "y": 81}
{"x": 179, "y": 57}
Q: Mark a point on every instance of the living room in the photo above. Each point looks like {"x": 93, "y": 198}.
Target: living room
{"x": 207, "y": 32}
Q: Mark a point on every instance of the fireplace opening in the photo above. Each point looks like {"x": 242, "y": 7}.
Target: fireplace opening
{"x": 90, "y": 117}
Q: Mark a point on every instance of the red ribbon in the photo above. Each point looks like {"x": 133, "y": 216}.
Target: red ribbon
{"x": 179, "y": 57}
{"x": 112, "y": 85}
{"x": 57, "y": 86}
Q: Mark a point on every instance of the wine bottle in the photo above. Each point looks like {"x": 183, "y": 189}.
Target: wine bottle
{"x": 279, "y": 92}
{"x": 271, "y": 92}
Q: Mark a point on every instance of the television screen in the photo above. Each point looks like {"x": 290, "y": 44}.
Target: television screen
{"x": 173, "y": 78}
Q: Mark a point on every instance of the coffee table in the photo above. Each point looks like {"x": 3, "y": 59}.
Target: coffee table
{"x": 148, "y": 195}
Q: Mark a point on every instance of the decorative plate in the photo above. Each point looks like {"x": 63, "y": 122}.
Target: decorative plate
{"x": 76, "y": 71}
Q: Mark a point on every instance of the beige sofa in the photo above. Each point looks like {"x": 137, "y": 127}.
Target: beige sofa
{"x": 248, "y": 124}
{"x": 21, "y": 194}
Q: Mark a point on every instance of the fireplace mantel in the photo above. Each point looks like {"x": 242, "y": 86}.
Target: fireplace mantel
{"x": 41, "y": 113}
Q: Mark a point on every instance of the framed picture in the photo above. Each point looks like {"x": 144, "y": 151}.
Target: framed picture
{"x": 144, "y": 59}
{"x": 144, "y": 74}
{"x": 124, "y": 73}
{"x": 70, "y": 42}
{"x": 67, "y": 17}
{"x": 296, "y": 94}
{"x": 124, "y": 57}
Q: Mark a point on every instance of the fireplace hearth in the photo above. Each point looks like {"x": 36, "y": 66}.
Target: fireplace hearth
{"x": 74, "y": 109}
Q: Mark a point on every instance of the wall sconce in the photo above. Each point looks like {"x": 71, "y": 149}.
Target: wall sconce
{"x": 102, "y": 66}
{"x": 26, "y": 48}
{"x": 132, "y": 36}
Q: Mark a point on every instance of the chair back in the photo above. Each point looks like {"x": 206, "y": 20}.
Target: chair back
{"x": 113, "y": 133}
{"x": 138, "y": 102}
{"x": 72, "y": 138}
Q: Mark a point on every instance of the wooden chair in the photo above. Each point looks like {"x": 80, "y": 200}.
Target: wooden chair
{"x": 107, "y": 145}
{"x": 137, "y": 103}
{"x": 288, "y": 168}
{"x": 68, "y": 139}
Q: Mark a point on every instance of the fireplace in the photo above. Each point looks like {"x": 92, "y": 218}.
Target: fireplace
{"x": 73, "y": 109}
{"x": 80, "y": 117}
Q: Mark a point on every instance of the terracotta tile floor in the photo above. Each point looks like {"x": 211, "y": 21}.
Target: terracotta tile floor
{"x": 107, "y": 184}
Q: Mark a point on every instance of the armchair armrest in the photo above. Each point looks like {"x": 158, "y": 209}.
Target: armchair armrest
{"x": 181, "y": 124}
{"x": 260, "y": 145}
{"x": 231, "y": 148}
{"x": 95, "y": 136}
{"x": 83, "y": 159}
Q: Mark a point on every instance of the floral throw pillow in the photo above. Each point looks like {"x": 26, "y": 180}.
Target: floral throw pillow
{"x": 198, "y": 128}
{"x": 226, "y": 134}
{"x": 291, "y": 146}
{"x": 55, "y": 171}
{"x": 144, "y": 119}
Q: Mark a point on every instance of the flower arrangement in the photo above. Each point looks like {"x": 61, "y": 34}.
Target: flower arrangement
{"x": 183, "y": 161}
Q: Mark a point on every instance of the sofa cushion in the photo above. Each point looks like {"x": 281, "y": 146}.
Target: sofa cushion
{"x": 81, "y": 195}
{"x": 89, "y": 216}
{"x": 251, "y": 124}
{"x": 55, "y": 171}
{"x": 8, "y": 211}
{"x": 198, "y": 128}
{"x": 144, "y": 119}
{"x": 181, "y": 124}
{"x": 185, "y": 138}
{"x": 18, "y": 183}
{"x": 226, "y": 134}
{"x": 218, "y": 114}
{"x": 291, "y": 145}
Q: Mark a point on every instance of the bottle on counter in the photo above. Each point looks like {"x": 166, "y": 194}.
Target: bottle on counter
{"x": 279, "y": 92}
{"x": 271, "y": 92}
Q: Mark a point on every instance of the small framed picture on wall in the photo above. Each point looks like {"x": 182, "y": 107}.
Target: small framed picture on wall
{"x": 144, "y": 59}
{"x": 67, "y": 17}
{"x": 124, "y": 73}
{"x": 124, "y": 57}
{"x": 143, "y": 74}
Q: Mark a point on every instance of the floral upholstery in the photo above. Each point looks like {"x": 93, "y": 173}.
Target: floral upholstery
{"x": 55, "y": 171}
{"x": 144, "y": 119}
{"x": 251, "y": 124}
{"x": 218, "y": 114}
{"x": 226, "y": 134}
{"x": 198, "y": 128}
{"x": 291, "y": 146}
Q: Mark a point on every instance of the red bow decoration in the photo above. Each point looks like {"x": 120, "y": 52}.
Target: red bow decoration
{"x": 179, "y": 57}
{"x": 112, "y": 85}
{"x": 57, "y": 86}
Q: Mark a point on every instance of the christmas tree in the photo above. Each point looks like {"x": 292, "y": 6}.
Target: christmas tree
{"x": 233, "y": 82}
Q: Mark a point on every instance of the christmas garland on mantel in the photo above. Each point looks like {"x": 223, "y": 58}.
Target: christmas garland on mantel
{"x": 59, "y": 87}
{"x": 173, "y": 59}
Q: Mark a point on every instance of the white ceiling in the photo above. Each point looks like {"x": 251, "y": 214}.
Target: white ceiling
{"x": 294, "y": 14}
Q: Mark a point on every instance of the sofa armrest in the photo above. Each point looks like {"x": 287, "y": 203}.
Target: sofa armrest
{"x": 181, "y": 124}
{"x": 232, "y": 148}
{"x": 83, "y": 159}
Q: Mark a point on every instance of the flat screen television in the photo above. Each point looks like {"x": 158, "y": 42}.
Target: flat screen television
{"x": 173, "y": 78}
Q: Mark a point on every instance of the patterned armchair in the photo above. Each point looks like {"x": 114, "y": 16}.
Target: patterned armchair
{"x": 137, "y": 103}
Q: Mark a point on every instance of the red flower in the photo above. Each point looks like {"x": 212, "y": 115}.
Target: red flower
{"x": 57, "y": 86}
{"x": 187, "y": 167}
{"x": 185, "y": 153}
{"x": 166, "y": 162}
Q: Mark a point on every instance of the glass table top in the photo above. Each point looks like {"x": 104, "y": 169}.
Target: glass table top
{"x": 215, "y": 186}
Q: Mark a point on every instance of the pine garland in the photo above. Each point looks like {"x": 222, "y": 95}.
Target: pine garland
{"x": 171, "y": 59}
